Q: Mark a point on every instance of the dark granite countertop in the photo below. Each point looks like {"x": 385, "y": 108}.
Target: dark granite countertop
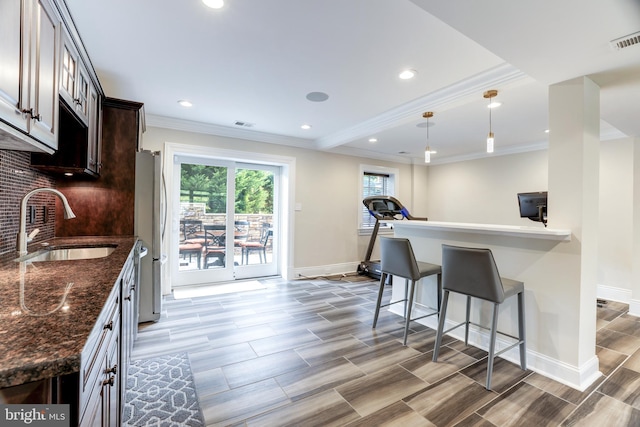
{"x": 39, "y": 336}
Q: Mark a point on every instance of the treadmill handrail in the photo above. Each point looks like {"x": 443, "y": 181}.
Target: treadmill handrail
{"x": 388, "y": 214}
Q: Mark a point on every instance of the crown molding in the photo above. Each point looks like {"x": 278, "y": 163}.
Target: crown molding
{"x": 366, "y": 154}
{"x": 498, "y": 76}
{"x": 226, "y": 131}
{"x": 610, "y": 133}
{"x": 514, "y": 149}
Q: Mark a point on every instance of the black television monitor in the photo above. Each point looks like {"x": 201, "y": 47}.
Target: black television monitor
{"x": 533, "y": 206}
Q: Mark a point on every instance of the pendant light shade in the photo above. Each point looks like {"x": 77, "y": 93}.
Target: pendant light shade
{"x": 490, "y": 138}
{"x": 427, "y": 150}
{"x": 490, "y": 143}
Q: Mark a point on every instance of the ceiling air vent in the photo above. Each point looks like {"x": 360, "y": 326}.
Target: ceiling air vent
{"x": 626, "y": 41}
{"x": 244, "y": 124}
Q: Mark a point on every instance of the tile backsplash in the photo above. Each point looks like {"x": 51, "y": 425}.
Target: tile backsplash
{"x": 16, "y": 179}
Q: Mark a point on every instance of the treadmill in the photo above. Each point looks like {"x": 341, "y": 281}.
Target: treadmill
{"x": 382, "y": 208}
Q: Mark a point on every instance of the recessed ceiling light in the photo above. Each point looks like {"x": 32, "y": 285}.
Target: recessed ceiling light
{"x": 494, "y": 104}
{"x": 185, "y": 103}
{"x": 407, "y": 74}
{"x": 214, "y": 4}
{"x": 373, "y": 139}
{"x": 305, "y": 127}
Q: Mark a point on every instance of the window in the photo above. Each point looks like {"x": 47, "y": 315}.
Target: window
{"x": 374, "y": 181}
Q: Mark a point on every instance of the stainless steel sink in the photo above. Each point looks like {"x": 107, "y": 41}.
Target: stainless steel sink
{"x": 68, "y": 254}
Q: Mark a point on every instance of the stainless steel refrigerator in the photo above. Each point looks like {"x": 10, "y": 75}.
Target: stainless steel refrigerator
{"x": 150, "y": 219}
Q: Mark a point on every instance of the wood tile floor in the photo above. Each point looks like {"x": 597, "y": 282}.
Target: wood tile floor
{"x": 303, "y": 353}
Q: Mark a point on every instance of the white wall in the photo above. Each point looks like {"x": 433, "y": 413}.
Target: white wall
{"x": 484, "y": 191}
{"x": 327, "y": 186}
{"x": 616, "y": 216}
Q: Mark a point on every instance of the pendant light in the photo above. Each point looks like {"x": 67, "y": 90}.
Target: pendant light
{"x": 490, "y": 94}
{"x": 427, "y": 150}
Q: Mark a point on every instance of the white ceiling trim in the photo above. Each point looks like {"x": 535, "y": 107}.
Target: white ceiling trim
{"x": 514, "y": 149}
{"x": 226, "y": 131}
{"x": 495, "y": 77}
{"x": 367, "y": 154}
{"x": 607, "y": 133}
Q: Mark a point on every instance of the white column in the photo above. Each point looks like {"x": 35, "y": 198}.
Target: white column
{"x": 634, "y": 306}
{"x": 574, "y": 141}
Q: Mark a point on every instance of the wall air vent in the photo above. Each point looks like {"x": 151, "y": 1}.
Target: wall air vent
{"x": 626, "y": 41}
{"x": 244, "y": 124}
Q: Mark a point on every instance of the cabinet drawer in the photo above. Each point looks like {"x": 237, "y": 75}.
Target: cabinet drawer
{"x": 102, "y": 379}
{"x": 107, "y": 329}
{"x": 93, "y": 356}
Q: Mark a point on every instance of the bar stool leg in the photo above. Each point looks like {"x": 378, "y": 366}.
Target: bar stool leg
{"x": 407, "y": 319}
{"x": 441, "y": 320}
{"x": 466, "y": 326}
{"x": 383, "y": 278}
{"x": 439, "y": 289}
{"x": 522, "y": 332}
{"x": 492, "y": 345}
{"x": 406, "y": 293}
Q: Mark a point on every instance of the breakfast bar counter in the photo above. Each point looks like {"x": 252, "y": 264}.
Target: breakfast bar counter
{"x": 493, "y": 229}
{"x": 538, "y": 256}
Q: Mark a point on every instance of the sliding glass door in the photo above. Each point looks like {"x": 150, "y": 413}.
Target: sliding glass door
{"x": 256, "y": 219}
{"x": 227, "y": 221}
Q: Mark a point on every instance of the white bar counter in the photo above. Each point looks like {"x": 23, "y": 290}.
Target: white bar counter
{"x": 504, "y": 230}
{"x": 537, "y": 256}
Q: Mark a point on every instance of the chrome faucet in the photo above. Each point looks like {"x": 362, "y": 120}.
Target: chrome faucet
{"x": 22, "y": 233}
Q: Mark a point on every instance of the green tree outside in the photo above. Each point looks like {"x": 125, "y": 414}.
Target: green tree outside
{"x": 208, "y": 185}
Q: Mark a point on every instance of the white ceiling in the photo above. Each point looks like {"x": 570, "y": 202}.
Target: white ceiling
{"x": 254, "y": 61}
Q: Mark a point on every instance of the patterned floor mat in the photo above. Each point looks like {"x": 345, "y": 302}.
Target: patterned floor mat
{"x": 161, "y": 392}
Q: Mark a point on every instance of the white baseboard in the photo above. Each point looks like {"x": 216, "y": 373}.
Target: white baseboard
{"x": 634, "y": 307}
{"x": 323, "y": 270}
{"x": 578, "y": 377}
{"x": 621, "y": 295}
{"x": 614, "y": 294}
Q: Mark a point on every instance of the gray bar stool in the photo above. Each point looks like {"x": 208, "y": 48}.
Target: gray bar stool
{"x": 473, "y": 272}
{"x": 397, "y": 259}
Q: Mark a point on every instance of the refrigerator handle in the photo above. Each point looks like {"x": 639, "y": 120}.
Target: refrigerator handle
{"x": 164, "y": 206}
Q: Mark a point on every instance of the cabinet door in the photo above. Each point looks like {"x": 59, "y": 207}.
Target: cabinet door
{"x": 111, "y": 385}
{"x": 74, "y": 80}
{"x": 68, "y": 70}
{"x": 82, "y": 94}
{"x": 94, "y": 149}
{"x": 43, "y": 74}
{"x": 12, "y": 70}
